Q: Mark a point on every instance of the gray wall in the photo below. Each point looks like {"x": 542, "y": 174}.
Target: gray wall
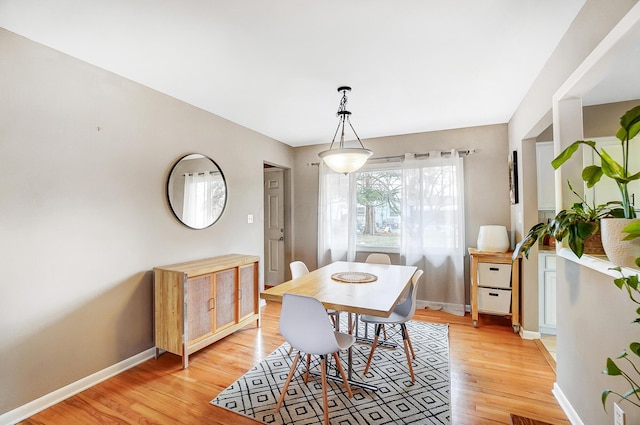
{"x": 593, "y": 316}
{"x": 84, "y": 156}
{"x": 485, "y": 180}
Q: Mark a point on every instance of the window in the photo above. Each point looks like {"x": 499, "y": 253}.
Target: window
{"x": 378, "y": 208}
{"x": 204, "y": 198}
{"x": 414, "y": 208}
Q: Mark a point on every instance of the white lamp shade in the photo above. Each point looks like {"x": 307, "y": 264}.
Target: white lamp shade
{"x": 345, "y": 160}
{"x": 492, "y": 238}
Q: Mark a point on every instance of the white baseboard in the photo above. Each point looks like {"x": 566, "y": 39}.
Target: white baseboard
{"x": 48, "y": 400}
{"x": 455, "y": 309}
{"x": 525, "y": 334}
{"x": 566, "y": 406}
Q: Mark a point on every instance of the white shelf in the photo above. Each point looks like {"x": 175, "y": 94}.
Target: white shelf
{"x": 598, "y": 263}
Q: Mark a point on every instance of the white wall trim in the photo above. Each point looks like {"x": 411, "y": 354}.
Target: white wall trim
{"x": 525, "y": 334}
{"x": 566, "y": 406}
{"x": 48, "y": 400}
{"x": 455, "y": 309}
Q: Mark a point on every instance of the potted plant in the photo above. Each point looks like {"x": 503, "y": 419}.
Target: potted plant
{"x": 625, "y": 365}
{"x": 619, "y": 253}
{"x": 574, "y": 226}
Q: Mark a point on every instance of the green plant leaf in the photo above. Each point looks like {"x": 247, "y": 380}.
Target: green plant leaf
{"x": 632, "y": 229}
{"x": 619, "y": 282}
{"x": 636, "y": 176}
{"x": 576, "y": 243}
{"x": 629, "y": 393}
{"x": 611, "y": 168}
{"x": 622, "y": 355}
{"x": 586, "y": 229}
{"x": 569, "y": 151}
{"x": 633, "y": 282}
{"x": 635, "y": 348}
{"x": 612, "y": 369}
{"x": 591, "y": 175}
{"x": 525, "y": 245}
{"x": 629, "y": 124}
{"x": 604, "y": 396}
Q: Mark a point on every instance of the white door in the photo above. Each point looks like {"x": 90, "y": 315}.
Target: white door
{"x": 274, "y": 266}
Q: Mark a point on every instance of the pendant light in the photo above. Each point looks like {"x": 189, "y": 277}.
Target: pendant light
{"x": 341, "y": 159}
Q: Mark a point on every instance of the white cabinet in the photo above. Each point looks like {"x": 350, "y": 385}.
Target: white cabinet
{"x": 545, "y": 176}
{"x": 547, "y": 293}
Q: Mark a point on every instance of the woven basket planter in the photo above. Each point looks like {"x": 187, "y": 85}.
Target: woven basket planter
{"x": 593, "y": 244}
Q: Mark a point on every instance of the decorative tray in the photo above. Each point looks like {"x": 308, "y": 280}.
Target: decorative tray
{"x": 354, "y": 277}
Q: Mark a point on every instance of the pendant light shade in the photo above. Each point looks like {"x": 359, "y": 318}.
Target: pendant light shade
{"x": 345, "y": 160}
{"x": 341, "y": 159}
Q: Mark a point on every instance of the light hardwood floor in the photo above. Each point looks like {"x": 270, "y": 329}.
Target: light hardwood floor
{"x": 493, "y": 373}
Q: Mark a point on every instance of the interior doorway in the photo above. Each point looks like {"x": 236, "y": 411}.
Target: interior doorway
{"x": 545, "y": 261}
{"x": 274, "y": 226}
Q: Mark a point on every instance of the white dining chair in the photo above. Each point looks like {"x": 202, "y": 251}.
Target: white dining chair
{"x": 402, "y": 313}
{"x": 298, "y": 268}
{"x": 376, "y": 258}
{"x": 304, "y": 324}
{"x": 373, "y": 258}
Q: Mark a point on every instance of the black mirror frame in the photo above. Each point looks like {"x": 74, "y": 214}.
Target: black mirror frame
{"x": 168, "y": 197}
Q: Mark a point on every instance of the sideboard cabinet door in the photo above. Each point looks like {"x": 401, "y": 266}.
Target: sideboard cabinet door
{"x": 248, "y": 294}
{"x": 225, "y": 297}
{"x": 199, "y": 307}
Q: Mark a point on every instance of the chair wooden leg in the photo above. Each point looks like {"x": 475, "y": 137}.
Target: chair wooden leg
{"x": 286, "y": 384}
{"x": 373, "y": 348}
{"x": 325, "y": 401}
{"x": 344, "y": 376}
{"x": 413, "y": 354}
{"x": 407, "y": 350}
{"x": 290, "y": 349}
{"x": 306, "y": 375}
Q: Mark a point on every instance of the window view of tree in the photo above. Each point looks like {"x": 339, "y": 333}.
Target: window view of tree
{"x": 378, "y": 211}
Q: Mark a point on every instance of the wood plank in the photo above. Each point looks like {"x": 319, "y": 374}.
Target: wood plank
{"x": 494, "y": 373}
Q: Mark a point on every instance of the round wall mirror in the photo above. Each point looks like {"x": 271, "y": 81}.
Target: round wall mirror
{"x": 197, "y": 191}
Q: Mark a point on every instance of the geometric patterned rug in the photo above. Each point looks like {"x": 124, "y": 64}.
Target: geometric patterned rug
{"x": 397, "y": 401}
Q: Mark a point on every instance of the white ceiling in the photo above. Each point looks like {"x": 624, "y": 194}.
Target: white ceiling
{"x": 274, "y": 65}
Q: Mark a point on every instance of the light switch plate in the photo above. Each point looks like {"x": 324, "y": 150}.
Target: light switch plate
{"x": 618, "y": 415}
{"x": 250, "y": 218}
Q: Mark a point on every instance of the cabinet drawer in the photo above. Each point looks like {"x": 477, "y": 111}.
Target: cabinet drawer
{"x": 494, "y": 275}
{"x": 495, "y": 301}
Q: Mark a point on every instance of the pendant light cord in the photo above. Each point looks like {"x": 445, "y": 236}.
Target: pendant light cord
{"x": 343, "y": 116}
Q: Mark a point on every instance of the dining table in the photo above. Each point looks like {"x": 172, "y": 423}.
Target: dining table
{"x": 351, "y": 287}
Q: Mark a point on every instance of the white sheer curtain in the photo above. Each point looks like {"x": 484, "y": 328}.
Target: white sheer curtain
{"x": 203, "y": 199}
{"x": 336, "y": 217}
{"x": 433, "y": 227}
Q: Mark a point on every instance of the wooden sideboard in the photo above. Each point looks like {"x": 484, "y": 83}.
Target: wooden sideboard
{"x": 495, "y": 285}
{"x": 199, "y": 302}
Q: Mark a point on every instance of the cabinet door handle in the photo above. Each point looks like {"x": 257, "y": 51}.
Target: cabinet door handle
{"x": 494, "y": 269}
{"x": 494, "y": 294}
{"x": 212, "y": 303}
